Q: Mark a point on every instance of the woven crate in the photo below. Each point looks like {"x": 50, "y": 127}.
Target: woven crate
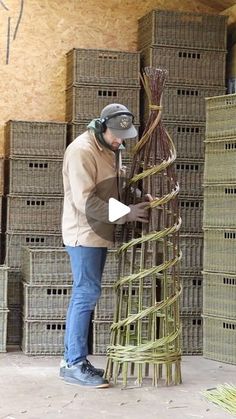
{"x": 15, "y": 241}
{"x": 3, "y": 286}
{"x": 192, "y": 252}
{"x": 191, "y": 212}
{"x": 190, "y": 177}
{"x": 45, "y": 301}
{"x": 219, "y": 250}
{"x": 185, "y": 29}
{"x": 34, "y": 213}
{"x": 219, "y": 292}
{"x": 100, "y": 66}
{"x": 111, "y": 269}
{"x": 184, "y": 103}
{"x": 220, "y": 117}
{"x": 219, "y": 205}
{"x": 14, "y": 325}
{"x": 106, "y": 305}
{"x": 44, "y": 337}
{"x": 3, "y": 330}
{"x": 14, "y": 289}
{"x": 219, "y": 339}
{"x": 49, "y": 266}
{"x": 101, "y": 335}
{"x": 86, "y": 102}
{"x": 31, "y": 138}
{"x": 220, "y": 161}
{"x": 188, "y": 139}
{"x": 192, "y": 335}
{"x": 32, "y": 175}
{"x": 191, "y": 296}
{"x": 188, "y": 65}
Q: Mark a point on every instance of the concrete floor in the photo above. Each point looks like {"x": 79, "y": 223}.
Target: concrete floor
{"x": 30, "y": 389}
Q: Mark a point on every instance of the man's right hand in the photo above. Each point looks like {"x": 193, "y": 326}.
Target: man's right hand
{"x": 138, "y": 212}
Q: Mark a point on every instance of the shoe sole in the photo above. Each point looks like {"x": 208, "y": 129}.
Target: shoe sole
{"x": 73, "y": 381}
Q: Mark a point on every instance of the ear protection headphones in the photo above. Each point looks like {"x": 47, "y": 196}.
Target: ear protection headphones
{"x": 101, "y": 123}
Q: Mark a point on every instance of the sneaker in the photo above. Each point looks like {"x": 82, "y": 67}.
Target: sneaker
{"x": 63, "y": 365}
{"x": 84, "y": 374}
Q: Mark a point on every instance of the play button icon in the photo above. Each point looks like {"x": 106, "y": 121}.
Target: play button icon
{"x": 116, "y": 209}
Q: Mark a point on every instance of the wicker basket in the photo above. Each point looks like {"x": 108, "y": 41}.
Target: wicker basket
{"x": 188, "y": 139}
{"x": 192, "y": 252}
{"x": 86, "y": 102}
{"x": 219, "y": 205}
{"x": 3, "y": 330}
{"x": 43, "y": 337}
{"x": 191, "y": 212}
{"x": 219, "y": 292}
{"x": 106, "y": 305}
{"x": 14, "y": 290}
{"x": 188, "y": 65}
{"x": 192, "y": 335}
{"x": 49, "y": 266}
{"x": 191, "y": 296}
{"x": 42, "y": 176}
{"x": 182, "y": 103}
{"x": 15, "y": 242}
{"x": 14, "y": 325}
{"x": 46, "y": 301}
{"x": 31, "y": 138}
{"x": 220, "y": 117}
{"x": 99, "y": 66}
{"x": 219, "y": 250}
{"x": 190, "y": 177}
{"x": 3, "y": 286}
{"x": 220, "y": 161}
{"x": 34, "y": 213}
{"x": 219, "y": 339}
{"x": 187, "y": 29}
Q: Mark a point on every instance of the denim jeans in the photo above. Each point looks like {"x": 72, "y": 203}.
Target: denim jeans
{"x": 87, "y": 264}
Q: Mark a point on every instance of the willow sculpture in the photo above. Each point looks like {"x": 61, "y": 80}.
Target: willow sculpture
{"x": 145, "y": 334}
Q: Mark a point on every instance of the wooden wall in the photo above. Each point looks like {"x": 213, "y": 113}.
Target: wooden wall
{"x": 35, "y": 36}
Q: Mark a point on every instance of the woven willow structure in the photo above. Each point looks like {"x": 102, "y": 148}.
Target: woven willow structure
{"x": 145, "y": 334}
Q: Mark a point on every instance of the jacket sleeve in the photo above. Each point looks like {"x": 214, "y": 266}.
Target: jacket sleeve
{"x": 81, "y": 169}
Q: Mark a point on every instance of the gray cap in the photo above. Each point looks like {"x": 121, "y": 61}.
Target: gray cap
{"x": 119, "y": 120}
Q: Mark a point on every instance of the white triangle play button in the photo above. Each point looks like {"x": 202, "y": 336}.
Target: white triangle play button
{"x": 116, "y": 210}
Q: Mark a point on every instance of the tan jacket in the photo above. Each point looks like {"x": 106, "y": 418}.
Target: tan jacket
{"x": 86, "y": 166}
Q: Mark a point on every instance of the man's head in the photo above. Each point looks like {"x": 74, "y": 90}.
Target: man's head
{"x": 118, "y": 120}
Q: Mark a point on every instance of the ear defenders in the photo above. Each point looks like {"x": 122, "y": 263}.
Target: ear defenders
{"x": 102, "y": 122}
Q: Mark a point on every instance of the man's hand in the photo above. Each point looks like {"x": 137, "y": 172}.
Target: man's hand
{"x": 138, "y": 212}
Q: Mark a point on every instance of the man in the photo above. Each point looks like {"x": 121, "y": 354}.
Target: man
{"x": 91, "y": 171}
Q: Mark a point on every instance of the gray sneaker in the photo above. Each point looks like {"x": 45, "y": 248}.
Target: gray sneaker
{"x": 63, "y": 365}
{"x": 84, "y": 374}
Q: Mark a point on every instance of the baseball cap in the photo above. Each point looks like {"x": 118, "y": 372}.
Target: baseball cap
{"x": 119, "y": 120}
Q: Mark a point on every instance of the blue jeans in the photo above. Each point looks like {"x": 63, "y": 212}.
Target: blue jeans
{"x": 87, "y": 264}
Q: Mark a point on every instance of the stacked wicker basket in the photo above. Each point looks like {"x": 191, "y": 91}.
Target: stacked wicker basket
{"x": 219, "y": 222}
{"x": 192, "y": 47}
{"x": 47, "y": 289}
{"x": 34, "y": 200}
{"x": 96, "y": 78}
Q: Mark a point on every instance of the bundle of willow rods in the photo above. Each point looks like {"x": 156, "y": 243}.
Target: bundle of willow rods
{"x": 148, "y": 335}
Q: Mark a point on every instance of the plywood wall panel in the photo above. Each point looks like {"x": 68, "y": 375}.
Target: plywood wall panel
{"x": 32, "y": 83}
